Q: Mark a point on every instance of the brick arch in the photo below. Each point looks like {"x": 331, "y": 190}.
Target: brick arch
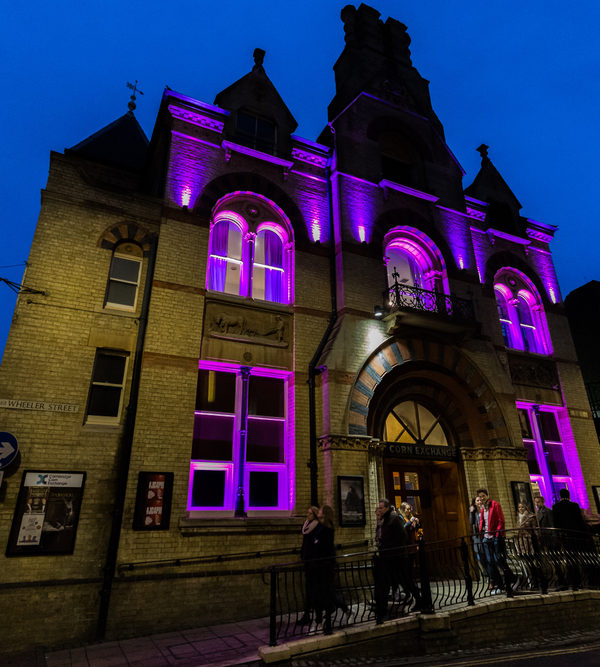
{"x": 250, "y": 182}
{"x": 507, "y": 259}
{"x": 429, "y": 354}
{"x": 125, "y": 231}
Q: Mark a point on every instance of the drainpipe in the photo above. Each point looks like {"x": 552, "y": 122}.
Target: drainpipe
{"x": 313, "y": 371}
{"x": 124, "y": 453}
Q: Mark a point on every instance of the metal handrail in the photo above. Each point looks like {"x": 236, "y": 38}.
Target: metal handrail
{"x": 400, "y": 296}
{"x": 371, "y": 586}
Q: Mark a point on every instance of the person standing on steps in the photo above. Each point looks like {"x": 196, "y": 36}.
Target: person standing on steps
{"x": 493, "y": 528}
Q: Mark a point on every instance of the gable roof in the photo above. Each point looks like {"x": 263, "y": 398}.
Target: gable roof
{"x": 121, "y": 143}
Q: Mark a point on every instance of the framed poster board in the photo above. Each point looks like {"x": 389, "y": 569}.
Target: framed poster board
{"x": 46, "y": 514}
{"x": 596, "y": 492}
{"x": 351, "y": 500}
{"x": 521, "y": 492}
{"x": 153, "y": 501}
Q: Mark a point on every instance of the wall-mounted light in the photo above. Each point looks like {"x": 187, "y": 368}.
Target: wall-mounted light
{"x": 377, "y": 312}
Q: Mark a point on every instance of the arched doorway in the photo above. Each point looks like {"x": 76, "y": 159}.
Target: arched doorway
{"x": 420, "y": 466}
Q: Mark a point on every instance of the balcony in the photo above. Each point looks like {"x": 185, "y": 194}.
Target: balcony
{"x": 420, "y": 308}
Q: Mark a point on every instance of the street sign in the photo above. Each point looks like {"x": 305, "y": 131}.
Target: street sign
{"x": 9, "y": 449}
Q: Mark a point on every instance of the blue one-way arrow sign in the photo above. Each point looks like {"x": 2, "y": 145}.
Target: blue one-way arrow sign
{"x": 9, "y": 449}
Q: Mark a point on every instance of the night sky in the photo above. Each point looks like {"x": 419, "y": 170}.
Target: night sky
{"x": 518, "y": 75}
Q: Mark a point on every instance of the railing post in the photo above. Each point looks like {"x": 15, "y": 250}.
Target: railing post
{"x": 273, "y": 608}
{"x": 464, "y": 552}
{"x": 426, "y": 602}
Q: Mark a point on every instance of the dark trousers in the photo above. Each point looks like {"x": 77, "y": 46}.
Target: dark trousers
{"x": 495, "y": 556}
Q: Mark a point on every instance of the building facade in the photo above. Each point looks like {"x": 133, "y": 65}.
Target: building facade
{"x": 228, "y": 323}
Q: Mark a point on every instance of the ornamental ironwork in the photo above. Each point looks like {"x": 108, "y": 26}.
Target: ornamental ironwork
{"x": 409, "y": 297}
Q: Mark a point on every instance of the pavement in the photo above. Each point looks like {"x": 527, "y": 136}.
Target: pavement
{"x": 226, "y": 644}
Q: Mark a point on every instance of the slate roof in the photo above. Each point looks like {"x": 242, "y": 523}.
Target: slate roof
{"x": 121, "y": 143}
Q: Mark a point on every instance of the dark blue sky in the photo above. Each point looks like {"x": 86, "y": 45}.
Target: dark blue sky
{"x": 518, "y": 75}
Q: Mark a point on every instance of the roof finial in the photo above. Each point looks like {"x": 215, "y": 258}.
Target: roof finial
{"x": 483, "y": 151}
{"x": 259, "y": 56}
{"x": 131, "y": 103}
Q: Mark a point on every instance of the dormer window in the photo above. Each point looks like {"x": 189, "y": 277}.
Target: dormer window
{"x": 256, "y": 132}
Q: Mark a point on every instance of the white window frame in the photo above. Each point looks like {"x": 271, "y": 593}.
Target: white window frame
{"x": 103, "y": 419}
{"x": 231, "y": 467}
{"x": 131, "y": 258}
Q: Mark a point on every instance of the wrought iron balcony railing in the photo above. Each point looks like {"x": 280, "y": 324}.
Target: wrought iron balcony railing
{"x": 400, "y": 297}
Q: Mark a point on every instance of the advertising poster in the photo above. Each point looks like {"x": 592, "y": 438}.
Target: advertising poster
{"x": 153, "y": 501}
{"x": 46, "y": 515}
{"x": 351, "y": 501}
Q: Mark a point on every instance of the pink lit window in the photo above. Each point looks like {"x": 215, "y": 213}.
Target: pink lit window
{"x": 250, "y": 255}
{"x": 268, "y": 273}
{"x": 545, "y": 448}
{"x": 521, "y": 314}
{"x": 218, "y": 422}
{"x": 225, "y": 265}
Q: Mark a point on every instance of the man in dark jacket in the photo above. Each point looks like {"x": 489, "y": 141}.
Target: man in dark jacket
{"x": 573, "y": 534}
{"x": 391, "y": 563}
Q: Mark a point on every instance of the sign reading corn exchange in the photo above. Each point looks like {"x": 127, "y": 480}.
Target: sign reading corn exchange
{"x": 412, "y": 451}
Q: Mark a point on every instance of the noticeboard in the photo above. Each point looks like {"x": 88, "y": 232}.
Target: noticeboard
{"x": 47, "y": 513}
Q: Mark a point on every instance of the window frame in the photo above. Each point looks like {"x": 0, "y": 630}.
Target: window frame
{"x": 250, "y": 229}
{"x": 120, "y": 254}
{"x": 231, "y": 468}
{"x": 548, "y": 482}
{"x": 516, "y": 292}
{"x": 104, "y": 419}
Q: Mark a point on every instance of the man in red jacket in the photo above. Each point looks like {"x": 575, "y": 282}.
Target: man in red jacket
{"x": 492, "y": 527}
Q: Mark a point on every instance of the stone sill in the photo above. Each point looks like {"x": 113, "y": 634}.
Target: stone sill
{"x": 252, "y": 525}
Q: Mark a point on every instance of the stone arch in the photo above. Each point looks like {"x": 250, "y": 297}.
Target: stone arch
{"x": 250, "y": 182}
{"x": 125, "y": 231}
{"x": 434, "y": 357}
{"x": 505, "y": 258}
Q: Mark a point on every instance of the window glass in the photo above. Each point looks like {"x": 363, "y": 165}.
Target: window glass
{"x": 215, "y": 391}
{"x": 208, "y": 488}
{"x": 265, "y": 441}
{"x": 532, "y": 462}
{"x": 548, "y": 426}
{"x": 268, "y": 273}
{"x": 264, "y": 490}
{"x": 556, "y": 460}
{"x": 124, "y": 276}
{"x": 213, "y": 437}
{"x": 526, "y": 431}
{"x": 107, "y": 385}
{"x": 266, "y": 396}
{"x": 225, "y": 261}
{"x": 411, "y": 422}
{"x": 405, "y": 265}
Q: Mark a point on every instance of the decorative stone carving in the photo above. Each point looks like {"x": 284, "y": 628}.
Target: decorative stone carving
{"x": 533, "y": 372}
{"x": 349, "y": 442}
{"x": 493, "y": 453}
{"x": 248, "y": 326}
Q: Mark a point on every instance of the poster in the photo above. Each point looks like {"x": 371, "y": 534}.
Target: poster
{"x": 46, "y": 514}
{"x": 351, "y": 501}
{"x": 153, "y": 501}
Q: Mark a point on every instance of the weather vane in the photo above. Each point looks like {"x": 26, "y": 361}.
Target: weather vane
{"x": 133, "y": 86}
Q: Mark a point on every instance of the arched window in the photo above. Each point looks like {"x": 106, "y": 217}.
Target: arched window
{"x": 412, "y": 423}
{"x": 521, "y": 313}
{"x": 268, "y": 269}
{"x": 416, "y": 271}
{"x": 124, "y": 277}
{"x": 225, "y": 263}
{"x": 250, "y": 249}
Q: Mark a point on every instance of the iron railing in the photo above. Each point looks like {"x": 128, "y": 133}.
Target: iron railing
{"x": 370, "y": 586}
{"x": 399, "y": 297}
